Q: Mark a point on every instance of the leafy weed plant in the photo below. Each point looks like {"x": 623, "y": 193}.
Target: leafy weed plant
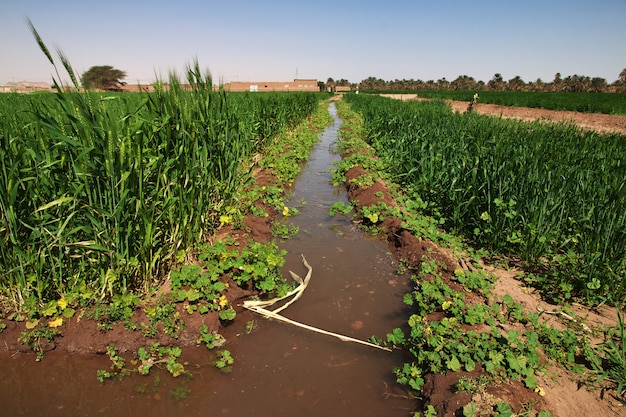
{"x": 36, "y": 338}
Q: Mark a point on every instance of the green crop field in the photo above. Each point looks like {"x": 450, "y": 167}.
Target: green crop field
{"x": 550, "y": 194}
{"x": 98, "y": 192}
{"x": 607, "y": 103}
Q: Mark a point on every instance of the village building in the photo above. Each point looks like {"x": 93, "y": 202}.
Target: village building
{"x": 235, "y": 86}
{"x": 343, "y": 89}
{"x": 258, "y": 86}
{"x": 25, "y": 87}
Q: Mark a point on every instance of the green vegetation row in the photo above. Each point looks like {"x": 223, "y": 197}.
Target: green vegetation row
{"x": 492, "y": 336}
{"x": 99, "y": 192}
{"x": 552, "y": 195}
{"x": 607, "y": 103}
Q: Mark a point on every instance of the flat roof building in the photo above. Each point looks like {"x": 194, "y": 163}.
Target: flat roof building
{"x": 257, "y": 86}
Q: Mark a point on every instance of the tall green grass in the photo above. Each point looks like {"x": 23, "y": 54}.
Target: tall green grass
{"x": 551, "y": 194}
{"x": 98, "y": 192}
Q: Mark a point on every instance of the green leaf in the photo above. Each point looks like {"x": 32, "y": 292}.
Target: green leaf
{"x": 453, "y": 364}
{"x": 372, "y": 217}
{"x": 530, "y": 381}
{"x": 414, "y": 320}
{"x": 50, "y": 310}
{"x": 470, "y": 365}
{"x": 193, "y": 295}
{"x": 228, "y": 314}
{"x": 470, "y": 410}
{"x": 69, "y": 312}
{"x": 396, "y": 337}
{"x": 408, "y": 299}
{"x": 517, "y": 363}
{"x": 503, "y": 410}
{"x": 56, "y": 202}
{"x": 175, "y": 368}
{"x": 181, "y": 295}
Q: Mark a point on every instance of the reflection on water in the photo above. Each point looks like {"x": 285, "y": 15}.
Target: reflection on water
{"x": 279, "y": 370}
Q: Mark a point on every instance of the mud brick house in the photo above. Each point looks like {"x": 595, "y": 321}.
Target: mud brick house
{"x": 343, "y": 89}
{"x": 254, "y": 86}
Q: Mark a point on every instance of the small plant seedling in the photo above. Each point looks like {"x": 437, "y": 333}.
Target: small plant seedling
{"x": 210, "y": 339}
{"x": 180, "y": 392}
{"x": 160, "y": 355}
{"x": 340, "y": 207}
{"x": 34, "y": 338}
{"x": 249, "y": 326}
{"x": 430, "y": 411}
{"x": 473, "y": 385}
{"x": 224, "y": 361}
{"x": 117, "y": 366}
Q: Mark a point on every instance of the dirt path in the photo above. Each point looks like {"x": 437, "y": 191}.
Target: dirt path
{"x": 603, "y": 123}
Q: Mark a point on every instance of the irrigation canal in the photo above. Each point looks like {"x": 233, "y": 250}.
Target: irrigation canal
{"x": 279, "y": 370}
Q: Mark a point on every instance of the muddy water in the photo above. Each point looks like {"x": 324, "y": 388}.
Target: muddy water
{"x": 279, "y": 370}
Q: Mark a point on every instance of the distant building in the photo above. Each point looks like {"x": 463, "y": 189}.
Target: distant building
{"x": 258, "y": 86}
{"x": 136, "y": 88}
{"x": 343, "y": 89}
{"x": 24, "y": 87}
{"x": 295, "y": 85}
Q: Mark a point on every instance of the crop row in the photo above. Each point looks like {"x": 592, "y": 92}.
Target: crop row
{"x": 98, "y": 192}
{"x": 607, "y": 103}
{"x": 553, "y": 195}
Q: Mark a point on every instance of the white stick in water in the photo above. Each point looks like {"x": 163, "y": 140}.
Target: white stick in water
{"x": 259, "y": 307}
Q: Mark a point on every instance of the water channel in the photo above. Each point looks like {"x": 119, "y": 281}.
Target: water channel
{"x": 279, "y": 370}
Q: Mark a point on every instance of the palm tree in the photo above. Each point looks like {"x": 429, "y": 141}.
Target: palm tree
{"x": 597, "y": 84}
{"x": 464, "y": 82}
{"x": 516, "y": 83}
{"x": 496, "y": 83}
{"x": 620, "y": 83}
{"x": 538, "y": 85}
{"x": 557, "y": 84}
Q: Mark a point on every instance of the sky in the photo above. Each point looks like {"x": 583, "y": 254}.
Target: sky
{"x": 276, "y": 40}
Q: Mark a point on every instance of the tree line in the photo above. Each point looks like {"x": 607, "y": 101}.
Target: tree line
{"x": 108, "y": 78}
{"x": 571, "y": 83}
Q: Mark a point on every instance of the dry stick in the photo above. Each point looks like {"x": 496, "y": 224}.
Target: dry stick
{"x": 567, "y": 316}
{"x": 302, "y": 286}
{"x": 259, "y": 307}
{"x": 268, "y": 313}
{"x": 297, "y": 291}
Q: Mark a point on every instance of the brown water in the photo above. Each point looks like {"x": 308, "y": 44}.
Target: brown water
{"x": 279, "y": 370}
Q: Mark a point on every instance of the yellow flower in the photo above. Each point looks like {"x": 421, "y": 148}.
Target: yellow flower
{"x": 225, "y": 219}
{"x": 285, "y": 211}
{"x": 223, "y": 301}
{"x": 56, "y": 322}
{"x": 62, "y": 303}
{"x": 540, "y": 391}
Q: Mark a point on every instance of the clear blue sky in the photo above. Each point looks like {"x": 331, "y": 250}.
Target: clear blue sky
{"x": 275, "y": 40}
